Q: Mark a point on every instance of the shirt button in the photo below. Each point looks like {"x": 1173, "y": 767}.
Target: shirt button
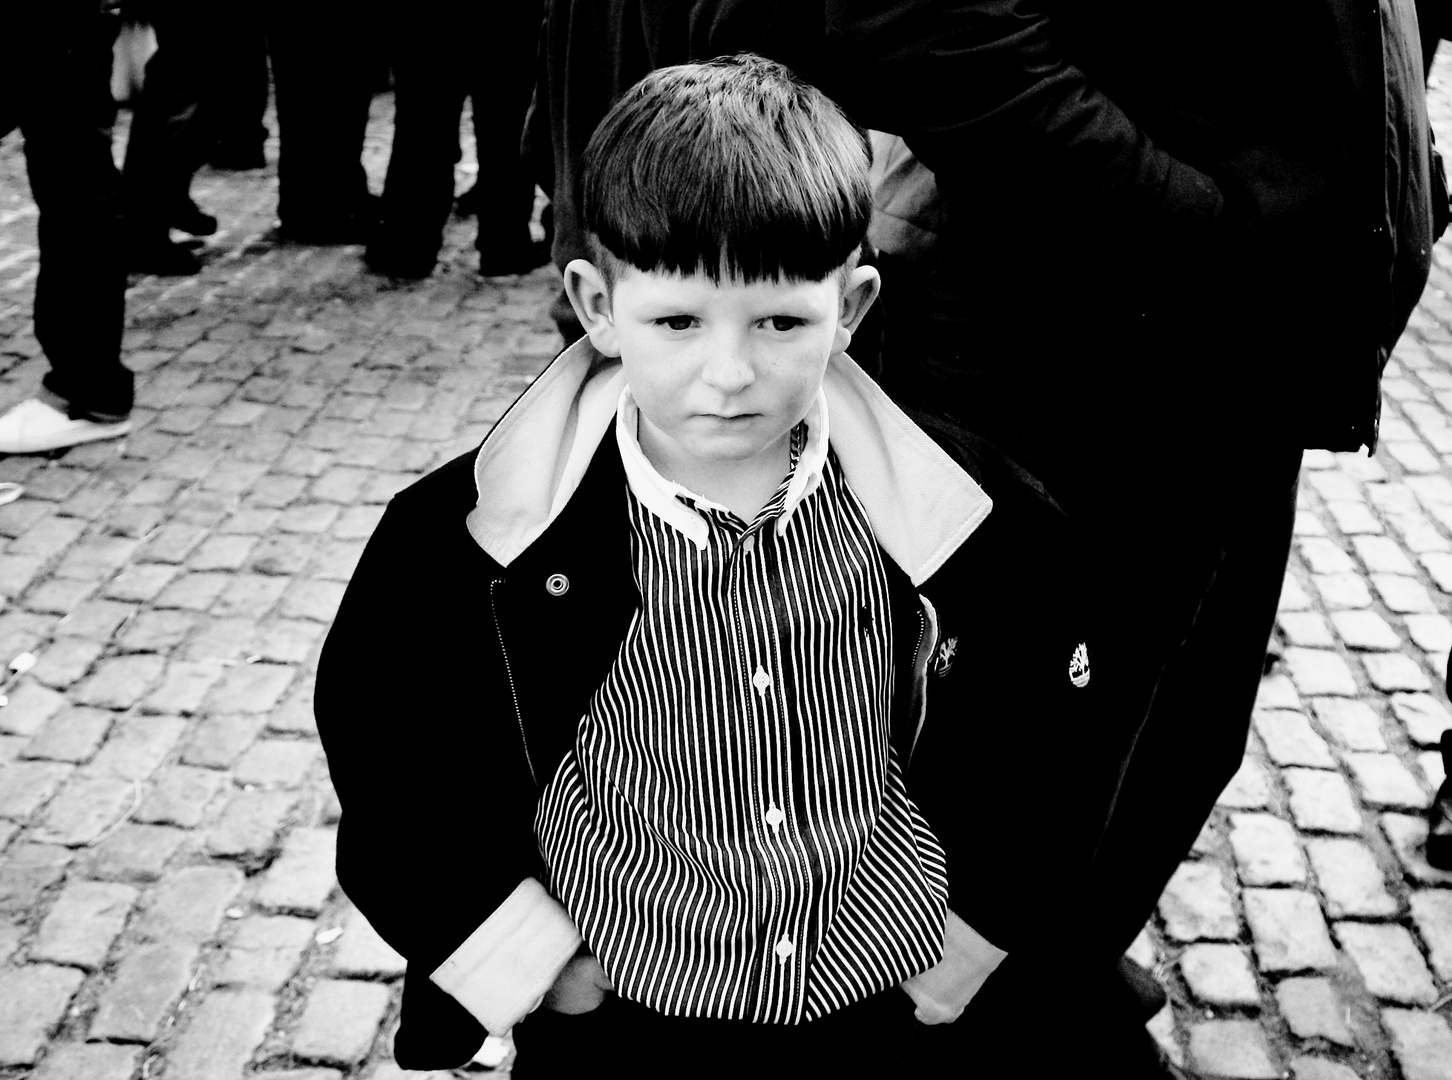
{"x": 761, "y": 680}
{"x": 774, "y": 817}
{"x": 784, "y": 950}
{"x": 748, "y": 545}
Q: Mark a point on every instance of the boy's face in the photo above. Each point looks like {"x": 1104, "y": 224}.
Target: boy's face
{"x": 723, "y": 372}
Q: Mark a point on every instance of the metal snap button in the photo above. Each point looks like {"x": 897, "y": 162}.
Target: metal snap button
{"x": 557, "y": 584}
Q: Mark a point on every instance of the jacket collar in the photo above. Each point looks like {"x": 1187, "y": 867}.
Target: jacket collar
{"x": 921, "y": 504}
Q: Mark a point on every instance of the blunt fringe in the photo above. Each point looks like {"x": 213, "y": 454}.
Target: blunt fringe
{"x": 734, "y": 167}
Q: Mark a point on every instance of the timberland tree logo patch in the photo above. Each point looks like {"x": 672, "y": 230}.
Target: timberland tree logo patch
{"x": 1079, "y": 666}
{"x": 946, "y": 654}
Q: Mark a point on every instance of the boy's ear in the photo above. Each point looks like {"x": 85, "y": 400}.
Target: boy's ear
{"x": 590, "y": 297}
{"x": 860, "y": 290}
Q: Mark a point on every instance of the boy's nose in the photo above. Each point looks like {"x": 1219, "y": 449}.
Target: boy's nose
{"x": 728, "y": 366}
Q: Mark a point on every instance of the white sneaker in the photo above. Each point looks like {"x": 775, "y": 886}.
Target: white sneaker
{"x": 33, "y": 426}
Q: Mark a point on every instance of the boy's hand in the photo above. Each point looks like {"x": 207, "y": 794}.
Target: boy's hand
{"x": 580, "y": 987}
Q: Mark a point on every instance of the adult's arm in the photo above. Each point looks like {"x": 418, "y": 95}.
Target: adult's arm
{"x": 980, "y": 86}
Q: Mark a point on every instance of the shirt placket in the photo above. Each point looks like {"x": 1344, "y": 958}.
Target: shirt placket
{"x": 780, "y": 882}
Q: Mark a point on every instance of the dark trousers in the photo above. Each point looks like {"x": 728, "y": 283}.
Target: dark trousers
{"x": 322, "y": 55}
{"x": 239, "y": 57}
{"x": 56, "y": 89}
{"x": 999, "y": 1035}
{"x": 172, "y": 126}
{"x": 626, "y": 1039}
{"x": 1192, "y": 575}
{"x": 435, "y": 66}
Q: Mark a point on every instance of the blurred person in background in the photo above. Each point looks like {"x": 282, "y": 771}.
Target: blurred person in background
{"x": 241, "y": 91}
{"x": 435, "y": 67}
{"x": 172, "y": 134}
{"x": 55, "y": 87}
{"x": 324, "y": 62}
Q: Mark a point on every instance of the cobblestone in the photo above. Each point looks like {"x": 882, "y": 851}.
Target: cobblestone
{"x": 1310, "y": 1068}
{"x": 1352, "y": 724}
{"x": 265, "y": 951}
{"x": 89, "y": 1061}
{"x": 1313, "y": 1010}
{"x": 1219, "y": 975}
{"x": 1232, "y": 1048}
{"x": 1424, "y": 717}
{"x": 1196, "y": 904}
{"x": 85, "y": 920}
{"x": 188, "y": 903}
{"x": 71, "y": 735}
{"x": 1385, "y": 781}
{"x": 1320, "y": 671}
{"x": 1422, "y": 1043}
{"x": 1290, "y": 740}
{"x": 1289, "y": 931}
{"x": 1432, "y": 914}
{"x": 340, "y": 1022}
{"x": 1389, "y": 962}
{"x": 302, "y": 878}
{"x": 250, "y": 824}
{"x": 1350, "y": 879}
{"x": 221, "y": 1037}
{"x": 1266, "y": 850}
{"x": 133, "y": 853}
{"x": 33, "y": 998}
{"x": 1249, "y": 788}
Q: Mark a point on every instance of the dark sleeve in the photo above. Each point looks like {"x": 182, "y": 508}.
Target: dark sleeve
{"x": 434, "y": 828}
{"x": 980, "y": 85}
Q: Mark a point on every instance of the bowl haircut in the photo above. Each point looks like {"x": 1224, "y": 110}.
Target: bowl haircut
{"x": 731, "y": 168}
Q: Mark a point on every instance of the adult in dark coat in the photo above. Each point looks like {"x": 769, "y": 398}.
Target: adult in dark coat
{"x": 1182, "y": 244}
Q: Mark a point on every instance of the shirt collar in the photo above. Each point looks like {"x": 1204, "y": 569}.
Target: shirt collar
{"x": 663, "y": 497}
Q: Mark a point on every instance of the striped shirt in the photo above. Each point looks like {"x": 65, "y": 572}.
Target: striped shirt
{"x": 731, "y": 831}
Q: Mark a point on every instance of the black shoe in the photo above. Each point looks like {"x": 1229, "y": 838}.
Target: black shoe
{"x": 1146, "y": 988}
{"x": 163, "y": 258}
{"x": 237, "y": 158}
{"x": 519, "y": 258}
{"x": 189, "y": 218}
{"x": 1439, "y": 815}
{"x": 399, "y": 261}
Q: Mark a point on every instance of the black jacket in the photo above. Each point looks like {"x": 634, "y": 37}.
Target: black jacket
{"x": 450, "y": 686}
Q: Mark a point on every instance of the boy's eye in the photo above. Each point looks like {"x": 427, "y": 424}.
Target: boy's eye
{"x": 783, "y": 323}
{"x": 677, "y": 322}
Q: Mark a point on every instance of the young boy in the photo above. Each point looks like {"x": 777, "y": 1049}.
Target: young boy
{"x": 661, "y": 774}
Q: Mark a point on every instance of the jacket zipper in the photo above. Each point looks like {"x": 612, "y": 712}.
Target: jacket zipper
{"x": 912, "y": 674}
{"x": 509, "y": 674}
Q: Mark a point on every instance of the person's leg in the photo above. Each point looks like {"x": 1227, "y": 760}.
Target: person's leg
{"x": 171, "y": 135}
{"x": 320, "y": 74}
{"x": 429, "y": 67}
{"x": 65, "y": 116}
{"x": 1193, "y": 737}
{"x": 80, "y": 293}
{"x": 241, "y": 88}
{"x": 500, "y": 93}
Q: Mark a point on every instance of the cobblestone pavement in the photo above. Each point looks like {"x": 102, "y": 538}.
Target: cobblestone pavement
{"x": 167, "y": 901}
